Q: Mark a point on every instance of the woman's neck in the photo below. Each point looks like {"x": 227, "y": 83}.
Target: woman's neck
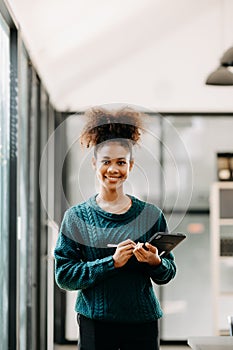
{"x": 112, "y": 196}
{"x": 117, "y": 202}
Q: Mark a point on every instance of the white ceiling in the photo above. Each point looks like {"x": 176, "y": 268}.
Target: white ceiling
{"x": 150, "y": 53}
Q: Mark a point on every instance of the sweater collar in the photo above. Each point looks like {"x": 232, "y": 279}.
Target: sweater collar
{"x": 136, "y": 206}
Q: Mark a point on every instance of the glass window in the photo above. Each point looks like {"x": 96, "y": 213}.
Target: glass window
{"x": 192, "y": 284}
{"x": 190, "y": 158}
{"x": 4, "y": 176}
{"x": 190, "y": 148}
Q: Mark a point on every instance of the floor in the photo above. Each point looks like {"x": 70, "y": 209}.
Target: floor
{"x": 167, "y": 347}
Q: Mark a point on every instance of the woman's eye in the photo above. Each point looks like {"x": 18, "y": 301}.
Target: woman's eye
{"x": 105, "y": 162}
{"x": 121, "y": 162}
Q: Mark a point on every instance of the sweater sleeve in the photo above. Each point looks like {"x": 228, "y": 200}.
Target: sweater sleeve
{"x": 166, "y": 271}
{"x": 163, "y": 273}
{"x": 71, "y": 272}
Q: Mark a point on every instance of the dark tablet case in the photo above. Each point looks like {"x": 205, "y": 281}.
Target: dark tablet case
{"x": 165, "y": 242}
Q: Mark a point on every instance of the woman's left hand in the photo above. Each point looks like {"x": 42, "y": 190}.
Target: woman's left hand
{"x": 149, "y": 256}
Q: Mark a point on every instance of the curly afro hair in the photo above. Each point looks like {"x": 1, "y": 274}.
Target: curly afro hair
{"x": 103, "y": 125}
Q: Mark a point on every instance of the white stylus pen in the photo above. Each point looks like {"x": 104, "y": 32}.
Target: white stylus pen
{"x": 111, "y": 245}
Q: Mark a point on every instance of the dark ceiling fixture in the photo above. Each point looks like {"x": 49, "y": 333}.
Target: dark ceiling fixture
{"x": 222, "y": 75}
{"x": 227, "y": 58}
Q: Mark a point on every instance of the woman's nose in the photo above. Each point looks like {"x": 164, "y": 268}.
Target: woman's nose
{"x": 112, "y": 168}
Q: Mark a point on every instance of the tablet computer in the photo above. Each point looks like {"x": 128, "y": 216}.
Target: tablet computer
{"x": 165, "y": 242}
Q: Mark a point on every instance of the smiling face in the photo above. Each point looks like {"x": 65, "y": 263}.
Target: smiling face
{"x": 112, "y": 164}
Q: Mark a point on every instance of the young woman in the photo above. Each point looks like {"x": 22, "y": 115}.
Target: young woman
{"x": 102, "y": 249}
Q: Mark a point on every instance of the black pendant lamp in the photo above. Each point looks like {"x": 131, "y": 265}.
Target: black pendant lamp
{"x": 222, "y": 75}
{"x": 227, "y": 58}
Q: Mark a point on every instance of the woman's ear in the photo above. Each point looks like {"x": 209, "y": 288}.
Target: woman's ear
{"x": 94, "y": 163}
{"x": 131, "y": 164}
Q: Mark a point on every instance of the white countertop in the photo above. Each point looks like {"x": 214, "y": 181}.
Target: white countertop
{"x": 211, "y": 343}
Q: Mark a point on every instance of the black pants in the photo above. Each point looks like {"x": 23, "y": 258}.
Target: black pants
{"x": 101, "y": 335}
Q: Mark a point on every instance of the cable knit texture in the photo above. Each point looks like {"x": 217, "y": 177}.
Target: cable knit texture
{"x": 84, "y": 262}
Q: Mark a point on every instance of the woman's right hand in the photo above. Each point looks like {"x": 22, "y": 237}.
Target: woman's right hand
{"x": 123, "y": 253}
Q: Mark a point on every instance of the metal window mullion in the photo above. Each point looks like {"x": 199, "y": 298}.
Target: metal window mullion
{"x": 32, "y": 301}
{"x": 12, "y": 329}
{"x": 43, "y": 186}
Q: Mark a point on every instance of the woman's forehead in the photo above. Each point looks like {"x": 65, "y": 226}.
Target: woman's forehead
{"x": 113, "y": 150}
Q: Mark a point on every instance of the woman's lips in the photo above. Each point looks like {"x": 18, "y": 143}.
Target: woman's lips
{"x": 113, "y": 178}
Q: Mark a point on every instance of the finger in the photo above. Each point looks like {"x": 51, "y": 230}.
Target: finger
{"x": 128, "y": 246}
{"x": 151, "y": 248}
{"x": 140, "y": 252}
{"x": 126, "y": 251}
{"x": 126, "y": 242}
{"x": 125, "y": 254}
{"x": 139, "y": 256}
{"x": 129, "y": 254}
{"x": 140, "y": 247}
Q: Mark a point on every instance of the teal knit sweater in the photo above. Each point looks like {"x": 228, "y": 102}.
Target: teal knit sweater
{"x": 83, "y": 262}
